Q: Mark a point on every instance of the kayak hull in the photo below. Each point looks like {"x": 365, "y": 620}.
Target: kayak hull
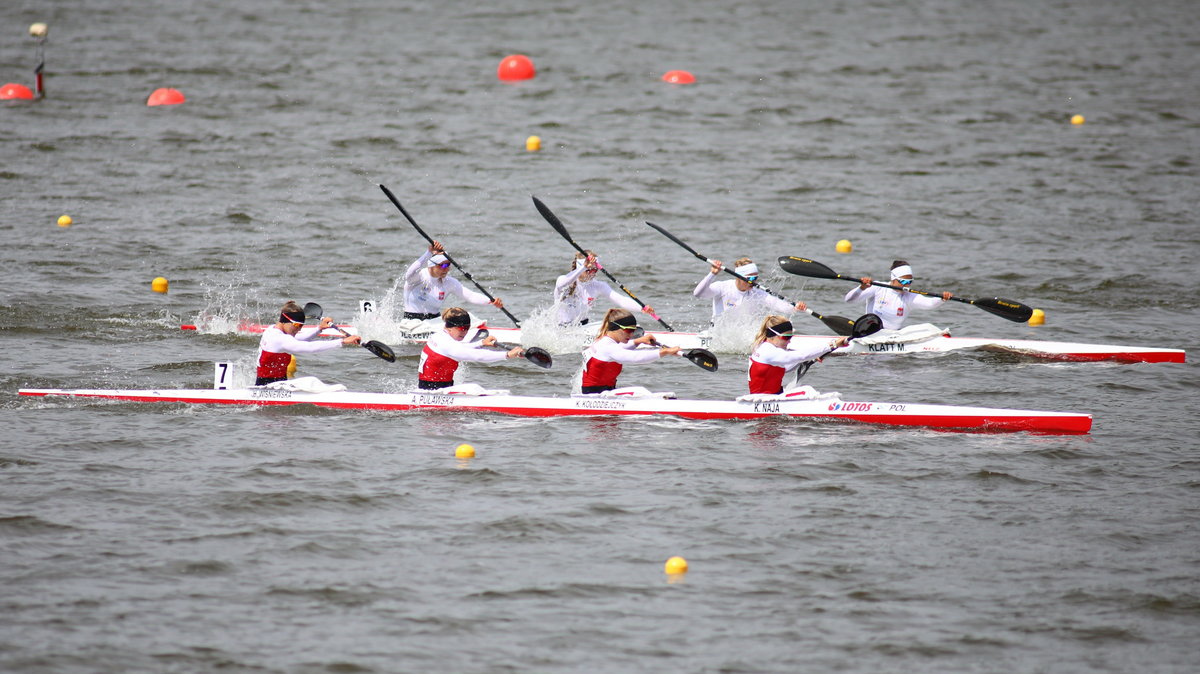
{"x": 828, "y": 407}
{"x": 1046, "y": 350}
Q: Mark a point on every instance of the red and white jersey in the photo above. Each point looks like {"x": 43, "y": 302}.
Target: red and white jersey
{"x": 726, "y": 296}
{"x": 604, "y": 359}
{"x": 893, "y": 306}
{"x": 769, "y": 364}
{"x": 442, "y": 354}
{"x": 276, "y": 347}
{"x": 575, "y": 303}
{"x": 424, "y": 294}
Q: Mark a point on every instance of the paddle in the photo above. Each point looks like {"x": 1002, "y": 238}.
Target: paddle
{"x": 701, "y": 357}
{"x": 1007, "y": 309}
{"x": 867, "y": 324}
{"x": 313, "y": 310}
{"x": 534, "y": 354}
{"x": 462, "y": 271}
{"x": 839, "y": 324}
{"x": 378, "y": 348}
{"x": 558, "y": 227}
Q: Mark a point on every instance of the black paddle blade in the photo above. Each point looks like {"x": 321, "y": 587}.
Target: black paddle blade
{"x": 551, "y": 218}
{"x": 380, "y": 349}
{"x": 1013, "y": 311}
{"x": 313, "y": 310}
{"x": 867, "y": 324}
{"x": 539, "y": 356}
{"x": 702, "y": 358}
{"x": 637, "y": 332}
{"x": 802, "y": 266}
{"x": 839, "y": 324}
{"x": 480, "y": 335}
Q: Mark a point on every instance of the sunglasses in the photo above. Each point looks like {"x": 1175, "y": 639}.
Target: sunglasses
{"x": 905, "y": 281}
{"x": 444, "y": 265}
{"x": 752, "y": 279}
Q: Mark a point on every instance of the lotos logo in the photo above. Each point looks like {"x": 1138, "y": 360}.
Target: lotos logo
{"x": 833, "y": 407}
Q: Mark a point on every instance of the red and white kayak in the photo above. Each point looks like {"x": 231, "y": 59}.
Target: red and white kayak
{"x": 804, "y": 404}
{"x": 877, "y": 345}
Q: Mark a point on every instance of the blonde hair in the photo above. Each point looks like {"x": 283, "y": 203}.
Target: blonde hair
{"x": 612, "y": 315}
{"x": 742, "y": 261}
{"x": 768, "y": 322}
{"x": 291, "y": 306}
{"x": 578, "y": 256}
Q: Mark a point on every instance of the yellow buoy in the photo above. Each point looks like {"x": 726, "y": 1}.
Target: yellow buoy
{"x": 1038, "y": 317}
{"x": 675, "y": 566}
{"x": 533, "y": 144}
{"x": 64, "y": 221}
{"x": 464, "y": 451}
{"x": 38, "y": 29}
{"x": 844, "y": 246}
{"x": 1077, "y": 120}
{"x": 159, "y": 285}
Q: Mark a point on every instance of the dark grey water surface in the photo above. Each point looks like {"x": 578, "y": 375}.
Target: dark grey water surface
{"x": 139, "y": 538}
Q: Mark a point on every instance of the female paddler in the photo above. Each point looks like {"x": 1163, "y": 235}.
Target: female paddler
{"x": 428, "y": 281}
{"x": 445, "y": 349}
{"x": 894, "y": 306}
{"x": 771, "y": 359}
{"x": 280, "y": 341}
{"x": 728, "y": 295}
{"x": 614, "y": 348}
{"x": 576, "y": 291}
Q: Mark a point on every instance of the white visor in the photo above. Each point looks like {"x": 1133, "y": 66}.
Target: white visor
{"x": 902, "y": 270}
{"x": 747, "y": 270}
{"x": 438, "y": 259}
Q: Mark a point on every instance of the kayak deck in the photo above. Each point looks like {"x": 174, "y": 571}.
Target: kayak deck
{"x": 827, "y": 407}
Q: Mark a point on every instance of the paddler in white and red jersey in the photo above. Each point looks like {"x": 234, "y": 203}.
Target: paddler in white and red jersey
{"x": 894, "y": 306}
{"x": 771, "y": 359}
{"x": 427, "y": 282}
{"x": 445, "y": 349}
{"x": 284, "y": 339}
{"x": 614, "y": 348}
{"x": 727, "y": 295}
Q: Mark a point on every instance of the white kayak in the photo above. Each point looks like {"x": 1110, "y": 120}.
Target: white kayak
{"x": 803, "y": 403}
{"x": 913, "y": 339}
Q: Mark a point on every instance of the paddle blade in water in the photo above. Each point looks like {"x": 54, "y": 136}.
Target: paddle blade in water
{"x": 380, "y": 349}
{"x": 313, "y": 310}
{"x": 1013, "y": 311}
{"x": 702, "y": 358}
{"x": 867, "y": 324}
{"x": 539, "y": 356}
{"x": 802, "y": 266}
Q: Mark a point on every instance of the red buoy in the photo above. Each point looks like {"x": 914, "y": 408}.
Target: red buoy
{"x": 165, "y": 96}
{"x": 13, "y": 91}
{"x": 515, "y": 67}
{"x": 678, "y": 77}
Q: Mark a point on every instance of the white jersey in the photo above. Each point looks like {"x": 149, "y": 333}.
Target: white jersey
{"x": 275, "y": 340}
{"x": 443, "y": 344}
{"x": 574, "y": 304}
{"x": 608, "y": 350}
{"x": 726, "y": 296}
{"x": 424, "y": 294}
{"x": 789, "y": 358}
{"x": 893, "y": 306}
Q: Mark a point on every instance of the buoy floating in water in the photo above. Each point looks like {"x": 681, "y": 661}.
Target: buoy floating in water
{"x": 64, "y": 221}
{"x": 844, "y": 246}
{"x": 675, "y": 566}
{"x": 1078, "y": 119}
{"x": 38, "y": 29}
{"x": 15, "y": 92}
{"x": 678, "y": 77}
{"x": 464, "y": 451}
{"x": 159, "y": 285}
{"x": 1038, "y": 317}
{"x": 165, "y": 96}
{"x": 533, "y": 144}
{"x": 515, "y": 67}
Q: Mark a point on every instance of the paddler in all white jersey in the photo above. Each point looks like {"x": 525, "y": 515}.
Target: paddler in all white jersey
{"x": 285, "y": 339}
{"x": 894, "y": 305}
{"x": 445, "y": 349}
{"x": 772, "y": 358}
{"x": 428, "y": 281}
{"x": 576, "y": 291}
{"x": 727, "y": 295}
{"x": 614, "y": 348}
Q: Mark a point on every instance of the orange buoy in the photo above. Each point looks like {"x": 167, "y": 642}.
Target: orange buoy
{"x": 678, "y": 77}
{"x": 165, "y": 96}
{"x": 13, "y": 91}
{"x": 515, "y": 67}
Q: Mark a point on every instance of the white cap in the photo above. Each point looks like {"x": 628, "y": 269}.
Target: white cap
{"x": 902, "y": 270}
{"x": 438, "y": 259}
{"x": 747, "y": 270}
